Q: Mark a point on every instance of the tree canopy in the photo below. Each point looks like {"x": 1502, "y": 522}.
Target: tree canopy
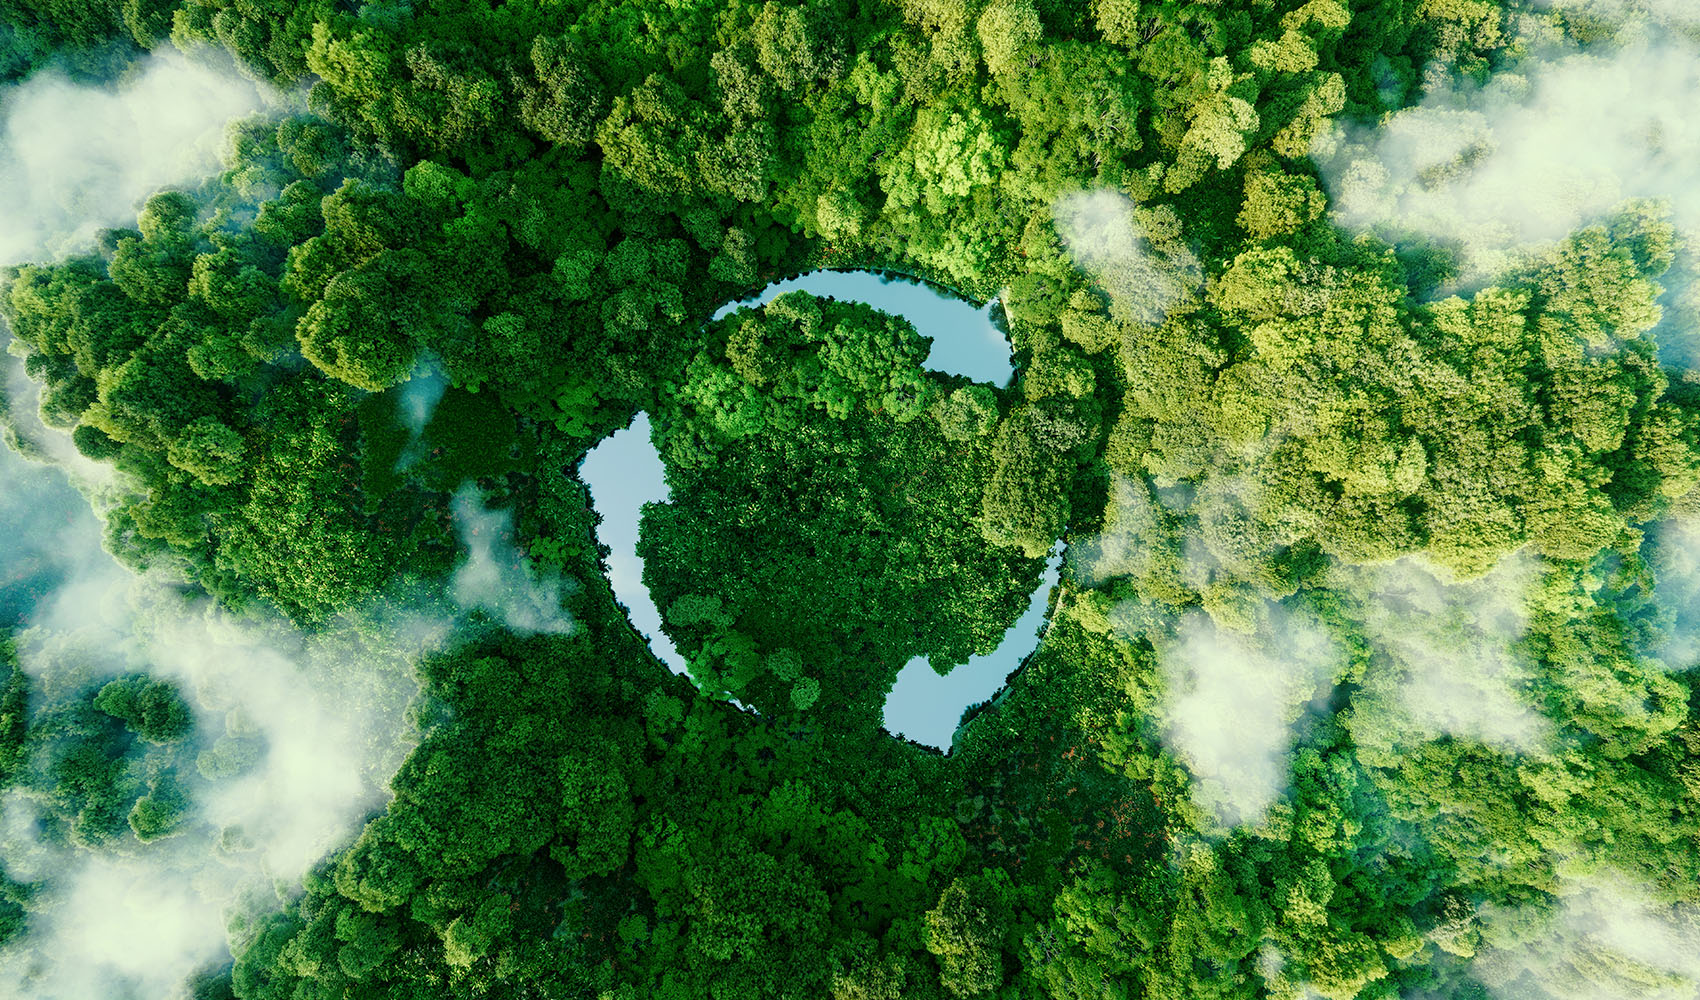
{"x": 1370, "y": 670}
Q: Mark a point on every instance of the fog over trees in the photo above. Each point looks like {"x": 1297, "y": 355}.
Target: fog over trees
{"x": 1354, "y": 348}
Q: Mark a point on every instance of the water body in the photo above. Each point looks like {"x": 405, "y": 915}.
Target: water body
{"x": 924, "y": 707}
{"x": 624, "y": 472}
{"x": 965, "y": 341}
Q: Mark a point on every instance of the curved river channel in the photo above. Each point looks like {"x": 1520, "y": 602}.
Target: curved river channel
{"x": 624, "y": 472}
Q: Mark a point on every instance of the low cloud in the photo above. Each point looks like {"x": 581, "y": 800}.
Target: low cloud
{"x": 1128, "y": 543}
{"x": 418, "y": 399}
{"x": 318, "y": 723}
{"x": 119, "y": 922}
{"x": 76, "y": 158}
{"x": 1134, "y": 254}
{"x": 329, "y": 711}
{"x": 1608, "y": 937}
{"x": 1673, "y": 556}
{"x": 497, "y": 578}
{"x": 1498, "y": 173}
{"x": 1230, "y": 701}
{"x": 22, "y": 430}
{"x": 1445, "y": 660}
{"x": 48, "y": 546}
{"x": 297, "y": 736}
{"x": 322, "y": 722}
{"x": 1667, "y": 13}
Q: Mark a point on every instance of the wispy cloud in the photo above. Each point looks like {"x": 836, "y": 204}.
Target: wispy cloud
{"x": 1557, "y": 142}
{"x": 1132, "y": 537}
{"x": 1636, "y": 14}
{"x": 75, "y": 158}
{"x": 1134, "y": 254}
{"x": 1608, "y": 937}
{"x": 495, "y": 577}
{"x": 1230, "y": 701}
{"x": 1673, "y": 552}
{"x": 1445, "y": 660}
{"x": 321, "y": 719}
{"x": 324, "y": 722}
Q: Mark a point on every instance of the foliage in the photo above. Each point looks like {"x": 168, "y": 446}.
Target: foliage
{"x": 100, "y": 760}
{"x": 88, "y": 39}
{"x": 824, "y": 526}
{"x": 499, "y": 230}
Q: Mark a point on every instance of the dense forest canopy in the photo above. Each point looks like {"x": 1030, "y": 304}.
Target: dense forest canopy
{"x": 1370, "y": 671}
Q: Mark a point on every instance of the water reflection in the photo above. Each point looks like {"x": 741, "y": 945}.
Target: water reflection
{"x": 624, "y": 472}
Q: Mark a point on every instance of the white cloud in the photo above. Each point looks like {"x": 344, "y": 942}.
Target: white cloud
{"x": 47, "y": 545}
{"x": 119, "y": 922}
{"x": 1446, "y": 661}
{"x": 495, "y": 576}
{"x": 24, "y": 432}
{"x": 418, "y": 400}
{"x": 329, "y": 710}
{"x": 1609, "y": 937}
{"x": 326, "y": 717}
{"x": 1134, "y": 254}
{"x": 419, "y": 397}
{"x": 1671, "y": 13}
{"x": 1126, "y": 545}
{"x": 1230, "y": 701}
{"x": 75, "y": 158}
{"x": 1673, "y": 552}
{"x": 325, "y": 714}
{"x": 1502, "y": 170}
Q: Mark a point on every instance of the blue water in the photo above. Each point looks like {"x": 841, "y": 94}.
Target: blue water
{"x": 624, "y": 472}
{"x": 924, "y": 707}
{"x": 964, "y": 340}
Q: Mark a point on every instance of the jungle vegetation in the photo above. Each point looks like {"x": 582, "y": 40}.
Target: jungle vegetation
{"x": 543, "y": 202}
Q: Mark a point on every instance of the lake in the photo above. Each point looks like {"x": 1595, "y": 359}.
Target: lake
{"x": 965, "y": 341}
{"x": 624, "y": 472}
{"x": 924, "y": 707}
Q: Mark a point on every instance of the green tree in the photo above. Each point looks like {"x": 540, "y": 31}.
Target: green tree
{"x": 966, "y": 930}
{"x": 1007, "y": 28}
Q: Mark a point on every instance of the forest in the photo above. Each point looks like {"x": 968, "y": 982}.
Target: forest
{"x": 1370, "y": 674}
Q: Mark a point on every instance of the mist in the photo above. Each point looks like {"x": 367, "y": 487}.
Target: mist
{"x": 1230, "y": 701}
{"x": 54, "y": 550}
{"x": 1445, "y": 661}
{"x": 1442, "y": 658}
{"x": 75, "y": 159}
{"x": 1134, "y": 254}
{"x": 297, "y": 738}
{"x": 1673, "y": 556}
{"x": 1499, "y": 172}
{"x": 1671, "y": 13}
{"x": 1124, "y": 547}
{"x": 296, "y": 735}
{"x": 497, "y": 578}
{"x": 1606, "y": 937}
{"x": 78, "y": 158}
{"x": 418, "y": 400}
